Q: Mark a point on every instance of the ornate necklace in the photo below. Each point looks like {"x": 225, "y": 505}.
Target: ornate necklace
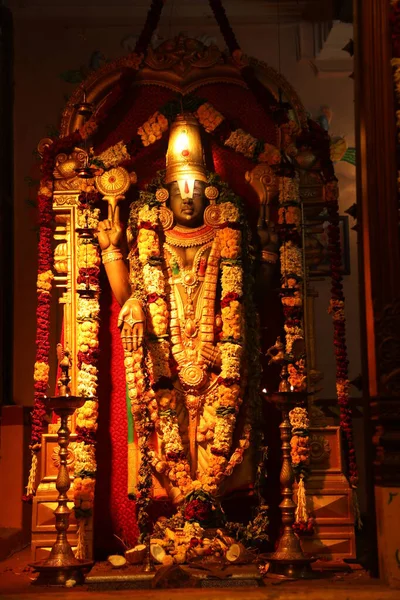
{"x": 188, "y": 276}
{"x": 187, "y": 238}
{"x": 192, "y": 375}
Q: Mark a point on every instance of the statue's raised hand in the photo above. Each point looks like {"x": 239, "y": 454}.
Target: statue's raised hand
{"x": 131, "y": 320}
{"x": 109, "y": 231}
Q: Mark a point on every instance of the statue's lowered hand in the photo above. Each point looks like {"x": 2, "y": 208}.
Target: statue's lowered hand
{"x": 131, "y": 320}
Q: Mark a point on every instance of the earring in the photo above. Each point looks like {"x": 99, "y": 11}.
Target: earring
{"x": 211, "y": 193}
{"x": 212, "y": 214}
{"x": 166, "y": 214}
{"x": 166, "y": 217}
{"x": 162, "y": 194}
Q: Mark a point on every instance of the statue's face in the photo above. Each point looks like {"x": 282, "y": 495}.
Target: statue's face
{"x": 188, "y": 212}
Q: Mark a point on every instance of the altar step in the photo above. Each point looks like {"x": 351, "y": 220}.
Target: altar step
{"x": 103, "y": 577}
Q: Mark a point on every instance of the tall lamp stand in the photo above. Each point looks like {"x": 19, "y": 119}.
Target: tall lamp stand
{"x": 288, "y": 560}
{"x": 61, "y": 565}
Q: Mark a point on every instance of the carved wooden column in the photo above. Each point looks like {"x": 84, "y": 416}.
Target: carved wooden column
{"x": 379, "y": 262}
{"x": 6, "y": 205}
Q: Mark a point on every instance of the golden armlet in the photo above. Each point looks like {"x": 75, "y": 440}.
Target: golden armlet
{"x": 111, "y": 256}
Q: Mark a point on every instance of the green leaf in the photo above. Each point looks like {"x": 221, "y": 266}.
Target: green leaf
{"x": 350, "y": 156}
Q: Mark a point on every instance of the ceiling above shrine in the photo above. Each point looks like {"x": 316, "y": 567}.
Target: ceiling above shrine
{"x": 179, "y": 11}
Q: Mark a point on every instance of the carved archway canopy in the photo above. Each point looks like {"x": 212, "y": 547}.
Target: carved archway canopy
{"x": 182, "y": 65}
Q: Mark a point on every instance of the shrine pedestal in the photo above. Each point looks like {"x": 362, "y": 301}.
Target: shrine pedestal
{"x": 329, "y": 499}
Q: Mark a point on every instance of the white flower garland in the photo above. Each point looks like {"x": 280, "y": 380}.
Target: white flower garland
{"x": 88, "y": 311}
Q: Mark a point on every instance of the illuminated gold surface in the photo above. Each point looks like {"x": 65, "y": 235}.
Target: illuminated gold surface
{"x": 185, "y": 151}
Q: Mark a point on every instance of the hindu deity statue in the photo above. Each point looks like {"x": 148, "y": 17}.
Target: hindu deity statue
{"x": 189, "y": 326}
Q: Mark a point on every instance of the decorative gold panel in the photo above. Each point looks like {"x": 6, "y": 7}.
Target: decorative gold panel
{"x": 49, "y": 456}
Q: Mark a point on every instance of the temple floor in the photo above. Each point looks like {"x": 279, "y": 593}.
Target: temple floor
{"x": 16, "y": 579}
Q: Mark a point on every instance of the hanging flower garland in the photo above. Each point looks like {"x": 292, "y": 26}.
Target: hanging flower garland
{"x": 336, "y": 309}
{"x": 292, "y": 283}
{"x": 289, "y": 221}
{"x": 88, "y": 313}
{"x": 317, "y": 140}
{"x": 43, "y": 287}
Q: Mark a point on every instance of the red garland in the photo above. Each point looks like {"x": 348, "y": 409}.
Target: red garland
{"x": 45, "y": 263}
{"x": 89, "y": 276}
{"x": 147, "y": 225}
{"x": 154, "y": 297}
{"x": 226, "y": 300}
{"x": 90, "y": 357}
{"x": 228, "y": 381}
{"x": 304, "y": 528}
{"x": 339, "y": 332}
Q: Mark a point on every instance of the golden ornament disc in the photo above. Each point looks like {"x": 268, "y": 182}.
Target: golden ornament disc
{"x": 114, "y": 182}
{"x": 193, "y": 376}
{"x": 211, "y": 192}
{"x": 162, "y": 194}
{"x": 189, "y": 279}
{"x": 43, "y": 144}
{"x": 166, "y": 218}
{"x": 212, "y": 215}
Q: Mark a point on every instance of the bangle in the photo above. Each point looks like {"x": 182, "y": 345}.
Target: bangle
{"x": 269, "y": 257}
{"x": 111, "y": 256}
